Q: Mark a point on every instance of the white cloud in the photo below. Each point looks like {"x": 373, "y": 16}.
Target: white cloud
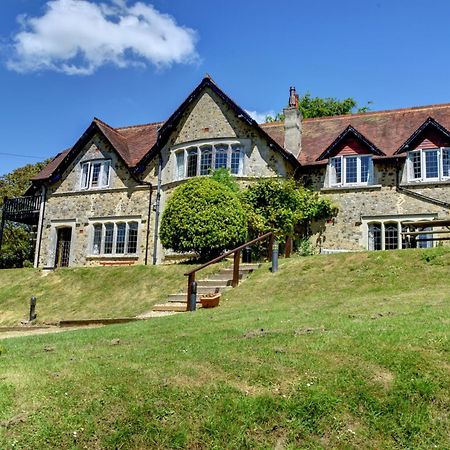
{"x": 77, "y": 37}
{"x": 260, "y": 117}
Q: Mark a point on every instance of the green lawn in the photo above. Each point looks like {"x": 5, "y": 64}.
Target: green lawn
{"x": 84, "y": 293}
{"x": 338, "y": 351}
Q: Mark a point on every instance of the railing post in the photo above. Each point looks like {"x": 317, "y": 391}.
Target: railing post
{"x": 288, "y": 247}
{"x": 237, "y": 258}
{"x": 270, "y": 248}
{"x": 191, "y": 279}
{"x": 275, "y": 257}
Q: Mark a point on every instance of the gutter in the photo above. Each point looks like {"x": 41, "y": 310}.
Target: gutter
{"x": 147, "y": 231}
{"x": 156, "y": 209}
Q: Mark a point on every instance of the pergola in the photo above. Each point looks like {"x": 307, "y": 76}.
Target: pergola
{"x": 417, "y": 230}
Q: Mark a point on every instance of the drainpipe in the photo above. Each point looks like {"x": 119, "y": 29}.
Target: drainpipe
{"x": 147, "y": 232}
{"x": 156, "y": 208}
{"x": 41, "y": 226}
{"x": 2, "y": 223}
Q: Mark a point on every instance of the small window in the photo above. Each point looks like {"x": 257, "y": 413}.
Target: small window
{"x": 109, "y": 236}
{"x": 120, "y": 239}
{"x": 446, "y": 162}
{"x": 431, "y": 164}
{"x": 95, "y": 174}
{"x": 221, "y": 156}
{"x": 415, "y": 164}
{"x": 206, "y": 160}
{"x": 336, "y": 171}
{"x": 350, "y": 170}
{"x": 97, "y": 242}
{"x": 132, "y": 237}
{"x": 375, "y": 241}
{"x": 192, "y": 158}
{"x": 180, "y": 165}
{"x": 390, "y": 236}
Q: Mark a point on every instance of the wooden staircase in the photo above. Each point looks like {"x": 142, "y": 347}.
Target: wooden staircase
{"x": 217, "y": 282}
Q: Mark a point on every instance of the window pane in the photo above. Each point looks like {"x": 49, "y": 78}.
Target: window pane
{"x": 109, "y": 233}
{"x": 84, "y": 175}
{"x": 236, "y": 157}
{"x": 192, "y": 156}
{"x": 416, "y": 166}
{"x": 365, "y": 168}
{"x": 221, "y": 156}
{"x": 336, "y": 170}
{"x": 446, "y": 162}
{"x": 390, "y": 236}
{"x": 375, "y": 236}
{"x": 105, "y": 173}
{"x": 97, "y": 242}
{"x": 132, "y": 237}
{"x": 95, "y": 174}
{"x": 206, "y": 160}
{"x": 351, "y": 171}
{"x": 422, "y": 239}
{"x": 180, "y": 165}
{"x": 120, "y": 239}
{"x": 431, "y": 164}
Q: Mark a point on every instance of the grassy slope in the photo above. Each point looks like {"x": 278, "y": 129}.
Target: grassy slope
{"x": 87, "y": 292}
{"x": 353, "y": 354}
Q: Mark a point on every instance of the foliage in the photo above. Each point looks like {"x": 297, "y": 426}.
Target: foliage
{"x": 305, "y": 248}
{"x": 203, "y": 216}
{"x": 320, "y": 107}
{"x": 224, "y": 177}
{"x": 17, "y": 246}
{"x": 281, "y": 205}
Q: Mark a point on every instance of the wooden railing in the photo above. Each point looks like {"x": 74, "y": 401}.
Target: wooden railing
{"x": 236, "y": 252}
{"x": 19, "y": 206}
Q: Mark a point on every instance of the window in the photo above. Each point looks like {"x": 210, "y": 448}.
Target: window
{"x": 388, "y": 234}
{"x": 432, "y": 164}
{"x": 351, "y": 170}
{"x": 201, "y": 159}
{"x": 95, "y": 174}
{"x": 115, "y": 238}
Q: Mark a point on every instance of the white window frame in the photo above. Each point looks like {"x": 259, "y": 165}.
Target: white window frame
{"x": 206, "y": 146}
{"x": 343, "y": 182}
{"x": 423, "y": 167}
{"x": 86, "y": 185}
{"x": 103, "y": 224}
{"x": 399, "y": 221}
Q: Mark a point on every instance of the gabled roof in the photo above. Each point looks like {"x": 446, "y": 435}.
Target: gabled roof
{"x": 430, "y": 123}
{"x": 137, "y": 145}
{"x": 349, "y": 132}
{"x": 174, "y": 119}
{"x": 387, "y": 130}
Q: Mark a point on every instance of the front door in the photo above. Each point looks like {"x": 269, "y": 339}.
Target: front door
{"x": 64, "y": 237}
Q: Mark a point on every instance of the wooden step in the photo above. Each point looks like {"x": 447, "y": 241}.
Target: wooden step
{"x": 179, "y": 307}
{"x": 213, "y": 282}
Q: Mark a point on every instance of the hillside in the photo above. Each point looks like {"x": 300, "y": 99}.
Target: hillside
{"x": 82, "y": 293}
{"x": 333, "y": 351}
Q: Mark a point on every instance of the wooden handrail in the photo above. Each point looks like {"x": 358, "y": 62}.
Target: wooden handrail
{"x": 219, "y": 258}
{"x": 236, "y": 261}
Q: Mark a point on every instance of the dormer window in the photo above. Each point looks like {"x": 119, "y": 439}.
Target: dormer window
{"x": 351, "y": 170}
{"x": 95, "y": 174}
{"x": 202, "y": 158}
{"x": 430, "y": 164}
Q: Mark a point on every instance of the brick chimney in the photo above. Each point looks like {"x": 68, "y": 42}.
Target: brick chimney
{"x": 293, "y": 124}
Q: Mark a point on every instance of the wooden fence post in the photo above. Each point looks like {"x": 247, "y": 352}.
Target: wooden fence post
{"x": 237, "y": 258}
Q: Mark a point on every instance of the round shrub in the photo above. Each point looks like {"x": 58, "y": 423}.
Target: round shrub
{"x": 203, "y": 216}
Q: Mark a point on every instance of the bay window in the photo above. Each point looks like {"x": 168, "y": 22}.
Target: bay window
{"x": 95, "y": 174}
{"x": 352, "y": 170}
{"x": 431, "y": 164}
{"x": 117, "y": 238}
{"x": 202, "y": 159}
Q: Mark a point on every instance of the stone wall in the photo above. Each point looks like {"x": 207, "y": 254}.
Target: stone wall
{"x": 348, "y": 230}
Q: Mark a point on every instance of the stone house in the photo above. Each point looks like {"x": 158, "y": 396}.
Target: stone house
{"x": 101, "y": 200}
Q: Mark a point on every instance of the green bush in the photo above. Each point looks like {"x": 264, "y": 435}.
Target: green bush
{"x": 203, "y": 216}
{"x": 280, "y": 206}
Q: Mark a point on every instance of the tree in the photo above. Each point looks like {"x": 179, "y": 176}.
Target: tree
{"x": 280, "y": 206}
{"x": 17, "y": 246}
{"x": 203, "y": 216}
{"x": 321, "y": 107}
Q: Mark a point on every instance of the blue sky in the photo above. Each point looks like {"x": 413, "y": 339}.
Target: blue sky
{"x": 133, "y": 64}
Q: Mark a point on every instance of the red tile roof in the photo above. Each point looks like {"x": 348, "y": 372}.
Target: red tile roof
{"x": 387, "y": 130}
